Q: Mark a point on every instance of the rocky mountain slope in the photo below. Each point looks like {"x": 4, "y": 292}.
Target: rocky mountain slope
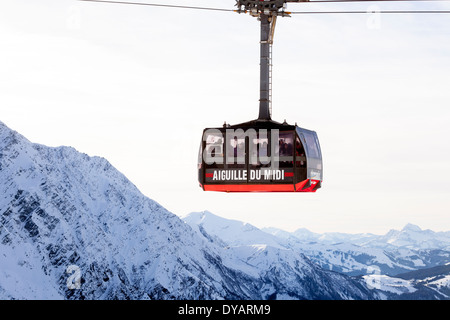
{"x": 372, "y": 260}
{"x": 423, "y": 284}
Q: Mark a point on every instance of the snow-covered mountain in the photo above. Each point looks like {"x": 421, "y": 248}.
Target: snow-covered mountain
{"x": 397, "y": 251}
{"x": 375, "y": 258}
{"x": 285, "y": 271}
{"x": 61, "y": 208}
{"x": 411, "y": 236}
{"x": 424, "y": 284}
{"x": 73, "y": 227}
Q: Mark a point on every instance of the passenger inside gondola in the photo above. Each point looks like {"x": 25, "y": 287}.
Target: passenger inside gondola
{"x": 263, "y": 153}
{"x": 236, "y": 152}
{"x": 299, "y": 154}
{"x": 285, "y": 149}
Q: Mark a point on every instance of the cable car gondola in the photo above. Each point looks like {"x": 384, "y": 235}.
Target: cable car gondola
{"x": 261, "y": 155}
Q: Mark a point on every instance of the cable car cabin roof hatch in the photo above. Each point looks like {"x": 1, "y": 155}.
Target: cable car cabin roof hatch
{"x": 261, "y": 155}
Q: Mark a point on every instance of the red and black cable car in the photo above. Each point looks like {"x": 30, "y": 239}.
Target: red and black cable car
{"x": 261, "y": 155}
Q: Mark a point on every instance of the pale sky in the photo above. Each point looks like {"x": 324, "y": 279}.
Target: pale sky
{"x": 137, "y": 85}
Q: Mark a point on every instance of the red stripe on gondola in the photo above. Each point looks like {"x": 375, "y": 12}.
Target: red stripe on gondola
{"x": 288, "y": 174}
{"x": 209, "y": 175}
{"x": 250, "y": 187}
{"x": 261, "y": 187}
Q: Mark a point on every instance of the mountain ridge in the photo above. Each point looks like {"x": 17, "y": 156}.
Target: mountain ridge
{"x": 393, "y": 273}
{"x": 352, "y": 254}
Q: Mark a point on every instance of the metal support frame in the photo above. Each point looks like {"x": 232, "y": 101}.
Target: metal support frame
{"x": 265, "y": 97}
{"x": 266, "y": 11}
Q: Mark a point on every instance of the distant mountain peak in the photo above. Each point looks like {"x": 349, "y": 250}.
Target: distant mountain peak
{"x": 411, "y": 227}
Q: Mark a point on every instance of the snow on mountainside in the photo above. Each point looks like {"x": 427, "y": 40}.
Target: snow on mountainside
{"x": 73, "y": 227}
{"x": 425, "y": 284}
{"x": 59, "y": 207}
{"x": 356, "y": 254}
{"x": 411, "y": 236}
{"x": 285, "y": 271}
{"x": 230, "y": 232}
{"x": 246, "y": 243}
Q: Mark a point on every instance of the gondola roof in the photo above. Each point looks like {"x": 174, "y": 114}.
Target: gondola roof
{"x": 259, "y": 124}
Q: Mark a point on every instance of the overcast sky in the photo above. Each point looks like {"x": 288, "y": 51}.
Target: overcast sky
{"x": 137, "y": 85}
